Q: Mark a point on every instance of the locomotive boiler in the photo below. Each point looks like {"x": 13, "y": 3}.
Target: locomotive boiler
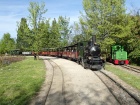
{"x": 87, "y": 53}
{"x": 90, "y": 54}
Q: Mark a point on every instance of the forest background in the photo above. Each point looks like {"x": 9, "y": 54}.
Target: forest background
{"x": 107, "y": 19}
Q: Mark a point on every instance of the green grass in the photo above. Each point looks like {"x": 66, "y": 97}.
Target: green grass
{"x": 130, "y": 79}
{"x": 20, "y": 81}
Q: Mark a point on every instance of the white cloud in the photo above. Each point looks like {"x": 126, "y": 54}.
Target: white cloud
{"x": 11, "y": 12}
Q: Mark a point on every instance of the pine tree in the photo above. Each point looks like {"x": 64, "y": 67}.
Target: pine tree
{"x": 44, "y": 32}
{"x": 55, "y": 35}
{"x": 24, "y": 38}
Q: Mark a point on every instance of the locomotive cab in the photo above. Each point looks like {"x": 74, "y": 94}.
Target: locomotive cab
{"x": 91, "y": 55}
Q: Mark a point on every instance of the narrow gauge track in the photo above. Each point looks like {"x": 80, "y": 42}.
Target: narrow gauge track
{"x": 128, "y": 67}
{"x": 49, "y": 94}
{"x": 122, "y": 95}
{"x": 55, "y": 96}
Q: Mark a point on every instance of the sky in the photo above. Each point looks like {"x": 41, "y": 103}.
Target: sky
{"x": 11, "y": 11}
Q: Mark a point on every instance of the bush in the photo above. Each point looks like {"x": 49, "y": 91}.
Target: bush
{"x": 6, "y": 60}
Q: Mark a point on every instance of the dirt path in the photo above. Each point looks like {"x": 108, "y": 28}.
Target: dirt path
{"x": 81, "y": 86}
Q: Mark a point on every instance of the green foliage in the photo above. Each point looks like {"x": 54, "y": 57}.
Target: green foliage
{"x": 87, "y": 31}
{"x": 106, "y": 19}
{"x": 36, "y": 11}
{"x": 77, "y": 31}
{"x": 55, "y": 35}
{"x": 64, "y": 30}
{"x": 24, "y": 38}
{"x": 41, "y": 34}
{"x": 76, "y": 28}
{"x": 107, "y": 44}
{"x": 133, "y": 44}
{"x": 44, "y": 33}
{"x": 6, "y": 44}
{"x": 77, "y": 38}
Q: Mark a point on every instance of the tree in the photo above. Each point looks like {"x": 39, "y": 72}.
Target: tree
{"x": 64, "y": 30}
{"x": 133, "y": 45}
{"x": 77, "y": 38}
{"x": 54, "y": 37}
{"x": 7, "y": 44}
{"x": 77, "y": 31}
{"x": 87, "y": 31}
{"x": 24, "y": 39}
{"x": 44, "y": 33}
{"x": 36, "y": 11}
{"x": 107, "y": 19}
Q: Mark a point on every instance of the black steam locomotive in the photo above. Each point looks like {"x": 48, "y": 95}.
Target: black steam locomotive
{"x": 89, "y": 54}
{"x": 86, "y": 53}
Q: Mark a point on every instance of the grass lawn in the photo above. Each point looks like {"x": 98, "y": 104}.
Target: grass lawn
{"x": 130, "y": 79}
{"x": 20, "y": 81}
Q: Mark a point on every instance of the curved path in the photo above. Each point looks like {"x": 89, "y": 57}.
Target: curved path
{"x": 81, "y": 86}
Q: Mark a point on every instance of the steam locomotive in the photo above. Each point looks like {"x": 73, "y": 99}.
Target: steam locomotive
{"x": 89, "y": 54}
{"x": 86, "y": 53}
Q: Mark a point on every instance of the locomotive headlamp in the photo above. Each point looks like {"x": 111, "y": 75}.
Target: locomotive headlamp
{"x": 89, "y": 57}
{"x": 92, "y": 49}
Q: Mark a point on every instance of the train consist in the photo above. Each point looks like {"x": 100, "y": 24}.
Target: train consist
{"x": 118, "y": 55}
{"x": 86, "y": 53}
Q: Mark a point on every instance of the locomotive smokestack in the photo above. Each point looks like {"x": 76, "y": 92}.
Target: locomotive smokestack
{"x": 93, "y": 39}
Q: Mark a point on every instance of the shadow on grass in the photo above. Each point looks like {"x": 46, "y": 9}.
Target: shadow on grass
{"x": 22, "y": 99}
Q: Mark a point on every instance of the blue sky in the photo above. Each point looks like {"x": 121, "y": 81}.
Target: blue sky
{"x": 11, "y": 11}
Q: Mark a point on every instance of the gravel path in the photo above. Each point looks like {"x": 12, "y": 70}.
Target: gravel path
{"x": 83, "y": 87}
